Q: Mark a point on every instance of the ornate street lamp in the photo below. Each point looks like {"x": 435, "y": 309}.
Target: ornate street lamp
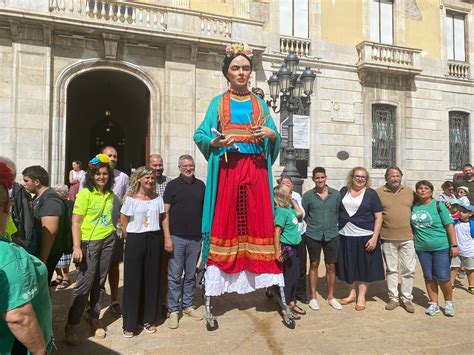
{"x": 287, "y": 85}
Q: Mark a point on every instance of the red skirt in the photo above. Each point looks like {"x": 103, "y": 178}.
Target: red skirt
{"x": 242, "y": 228}
{"x": 73, "y": 191}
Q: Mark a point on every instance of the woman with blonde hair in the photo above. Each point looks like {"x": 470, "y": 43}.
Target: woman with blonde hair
{"x": 141, "y": 214}
{"x": 287, "y": 238}
{"x": 360, "y": 219}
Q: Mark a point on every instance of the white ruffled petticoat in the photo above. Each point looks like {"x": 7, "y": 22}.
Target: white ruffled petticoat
{"x": 218, "y": 282}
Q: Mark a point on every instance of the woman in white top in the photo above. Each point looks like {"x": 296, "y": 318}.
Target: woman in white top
{"x": 141, "y": 214}
{"x": 448, "y": 193}
{"x": 76, "y": 174}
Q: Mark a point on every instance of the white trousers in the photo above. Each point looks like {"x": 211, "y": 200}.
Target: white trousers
{"x": 395, "y": 253}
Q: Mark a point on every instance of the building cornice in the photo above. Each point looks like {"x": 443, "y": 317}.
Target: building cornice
{"x": 67, "y": 23}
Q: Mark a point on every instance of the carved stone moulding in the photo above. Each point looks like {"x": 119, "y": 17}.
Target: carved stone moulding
{"x": 386, "y": 80}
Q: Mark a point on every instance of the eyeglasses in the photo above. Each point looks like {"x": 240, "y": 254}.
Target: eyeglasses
{"x": 450, "y": 189}
{"x": 361, "y": 177}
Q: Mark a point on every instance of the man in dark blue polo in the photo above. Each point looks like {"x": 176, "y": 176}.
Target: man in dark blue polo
{"x": 321, "y": 206}
{"x": 184, "y": 200}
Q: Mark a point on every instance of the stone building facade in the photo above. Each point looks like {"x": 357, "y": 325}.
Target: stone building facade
{"x": 394, "y": 82}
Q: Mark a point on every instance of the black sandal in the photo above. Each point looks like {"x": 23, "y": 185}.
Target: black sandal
{"x": 295, "y": 315}
{"x": 55, "y": 282}
{"x": 298, "y": 310}
{"x": 63, "y": 285}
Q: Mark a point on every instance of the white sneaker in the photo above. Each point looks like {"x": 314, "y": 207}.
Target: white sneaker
{"x": 334, "y": 303}
{"x": 313, "y": 304}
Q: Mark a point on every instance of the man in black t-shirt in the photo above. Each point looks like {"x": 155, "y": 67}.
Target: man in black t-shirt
{"x": 48, "y": 213}
{"x": 184, "y": 200}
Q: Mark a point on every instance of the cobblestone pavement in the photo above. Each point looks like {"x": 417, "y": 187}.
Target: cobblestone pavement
{"x": 251, "y": 324}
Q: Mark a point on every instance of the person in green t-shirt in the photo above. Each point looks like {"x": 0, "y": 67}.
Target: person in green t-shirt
{"x": 93, "y": 245}
{"x": 287, "y": 239}
{"x": 25, "y": 306}
{"x": 435, "y": 242}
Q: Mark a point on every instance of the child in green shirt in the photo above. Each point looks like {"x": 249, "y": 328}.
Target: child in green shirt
{"x": 287, "y": 238}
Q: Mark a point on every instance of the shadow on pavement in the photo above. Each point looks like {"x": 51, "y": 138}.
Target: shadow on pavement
{"x": 86, "y": 347}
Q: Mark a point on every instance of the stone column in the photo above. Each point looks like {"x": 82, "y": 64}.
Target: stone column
{"x": 179, "y": 120}
{"x": 30, "y": 97}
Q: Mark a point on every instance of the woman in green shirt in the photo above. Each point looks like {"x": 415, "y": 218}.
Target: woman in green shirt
{"x": 435, "y": 242}
{"x": 93, "y": 244}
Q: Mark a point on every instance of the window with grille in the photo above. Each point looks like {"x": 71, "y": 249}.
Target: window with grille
{"x": 383, "y": 136}
{"x": 458, "y": 139}
{"x": 455, "y": 36}
{"x": 294, "y": 18}
{"x": 381, "y": 21}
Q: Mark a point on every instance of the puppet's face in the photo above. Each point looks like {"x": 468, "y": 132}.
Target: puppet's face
{"x": 238, "y": 73}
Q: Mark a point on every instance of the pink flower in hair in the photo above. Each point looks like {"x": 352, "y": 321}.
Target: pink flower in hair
{"x": 239, "y": 48}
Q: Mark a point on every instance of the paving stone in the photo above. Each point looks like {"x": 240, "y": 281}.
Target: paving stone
{"x": 251, "y": 324}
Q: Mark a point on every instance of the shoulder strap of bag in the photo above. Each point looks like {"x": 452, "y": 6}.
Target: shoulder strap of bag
{"x": 98, "y": 219}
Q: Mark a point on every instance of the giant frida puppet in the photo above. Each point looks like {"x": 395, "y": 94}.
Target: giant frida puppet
{"x": 240, "y": 141}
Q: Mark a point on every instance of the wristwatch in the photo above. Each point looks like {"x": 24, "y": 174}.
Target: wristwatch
{"x": 453, "y": 246}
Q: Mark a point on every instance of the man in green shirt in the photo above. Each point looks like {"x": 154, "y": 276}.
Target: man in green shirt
{"x": 321, "y": 206}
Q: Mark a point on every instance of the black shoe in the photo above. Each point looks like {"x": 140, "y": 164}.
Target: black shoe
{"x": 115, "y": 309}
{"x": 303, "y": 300}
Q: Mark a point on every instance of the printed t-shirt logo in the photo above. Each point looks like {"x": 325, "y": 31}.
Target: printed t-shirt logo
{"x": 102, "y": 219}
{"x": 295, "y": 220}
{"x": 31, "y": 293}
{"x": 422, "y": 219}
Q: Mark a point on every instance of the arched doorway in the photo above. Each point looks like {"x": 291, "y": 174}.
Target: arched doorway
{"x": 107, "y": 107}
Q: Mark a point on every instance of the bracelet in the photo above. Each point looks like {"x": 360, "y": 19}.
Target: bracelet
{"x": 454, "y": 246}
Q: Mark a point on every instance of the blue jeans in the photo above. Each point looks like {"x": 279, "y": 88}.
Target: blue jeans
{"x": 185, "y": 255}
{"x": 435, "y": 264}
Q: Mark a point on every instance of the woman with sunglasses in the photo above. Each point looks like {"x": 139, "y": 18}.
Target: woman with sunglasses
{"x": 448, "y": 192}
{"x": 360, "y": 219}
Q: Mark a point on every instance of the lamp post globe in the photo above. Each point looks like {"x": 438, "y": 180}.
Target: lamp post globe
{"x": 307, "y": 77}
{"x": 284, "y": 76}
{"x": 298, "y": 89}
{"x": 292, "y": 62}
{"x": 274, "y": 85}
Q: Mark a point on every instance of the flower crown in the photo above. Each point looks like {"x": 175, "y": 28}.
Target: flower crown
{"x": 99, "y": 158}
{"x": 238, "y": 48}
